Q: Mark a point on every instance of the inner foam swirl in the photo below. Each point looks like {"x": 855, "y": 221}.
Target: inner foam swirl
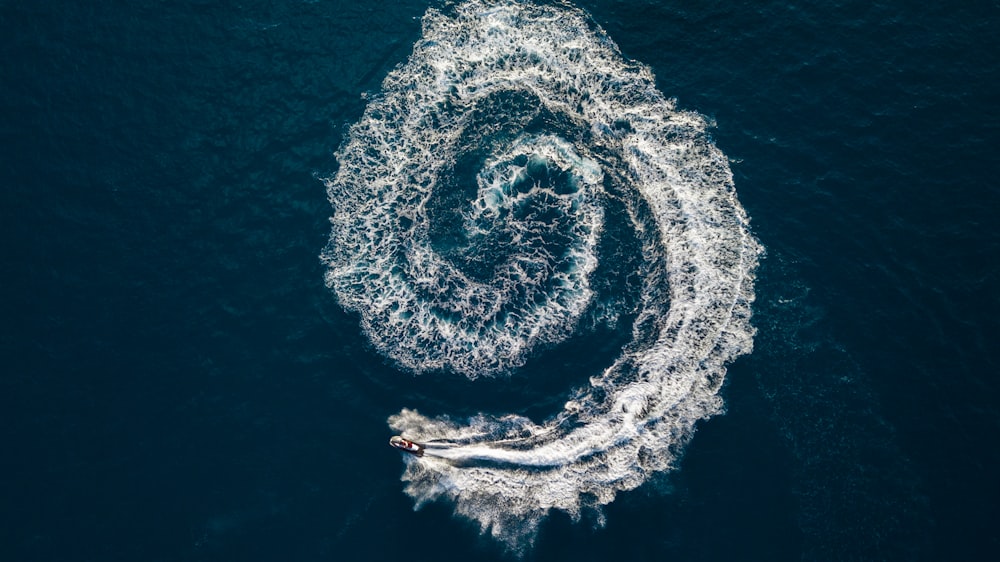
{"x": 468, "y": 211}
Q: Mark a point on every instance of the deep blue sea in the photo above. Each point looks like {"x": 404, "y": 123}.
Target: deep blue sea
{"x": 200, "y": 358}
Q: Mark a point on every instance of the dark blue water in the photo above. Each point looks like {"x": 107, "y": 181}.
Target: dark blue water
{"x": 179, "y": 384}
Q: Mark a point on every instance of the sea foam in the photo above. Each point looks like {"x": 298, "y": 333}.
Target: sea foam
{"x": 512, "y": 124}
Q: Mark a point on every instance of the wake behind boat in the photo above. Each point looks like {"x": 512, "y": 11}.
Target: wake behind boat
{"x": 406, "y": 445}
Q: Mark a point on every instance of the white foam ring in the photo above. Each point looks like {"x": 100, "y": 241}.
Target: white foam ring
{"x": 420, "y": 305}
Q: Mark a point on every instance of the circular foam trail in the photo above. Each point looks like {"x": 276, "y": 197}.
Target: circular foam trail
{"x": 468, "y": 212}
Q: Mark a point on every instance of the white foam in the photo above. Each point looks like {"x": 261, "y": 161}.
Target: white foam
{"x": 420, "y": 308}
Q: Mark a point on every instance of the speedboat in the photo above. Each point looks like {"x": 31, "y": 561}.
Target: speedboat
{"x": 406, "y": 445}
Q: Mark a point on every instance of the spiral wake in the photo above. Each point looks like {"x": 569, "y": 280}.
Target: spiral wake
{"x": 469, "y": 208}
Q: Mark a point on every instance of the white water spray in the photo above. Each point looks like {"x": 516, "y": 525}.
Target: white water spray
{"x": 554, "y": 120}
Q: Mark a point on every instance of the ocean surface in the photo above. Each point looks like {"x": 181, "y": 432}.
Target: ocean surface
{"x": 651, "y": 280}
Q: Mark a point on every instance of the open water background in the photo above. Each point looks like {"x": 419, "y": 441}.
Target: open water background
{"x": 178, "y": 384}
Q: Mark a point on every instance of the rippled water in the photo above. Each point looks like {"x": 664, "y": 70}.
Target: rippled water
{"x": 545, "y": 249}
